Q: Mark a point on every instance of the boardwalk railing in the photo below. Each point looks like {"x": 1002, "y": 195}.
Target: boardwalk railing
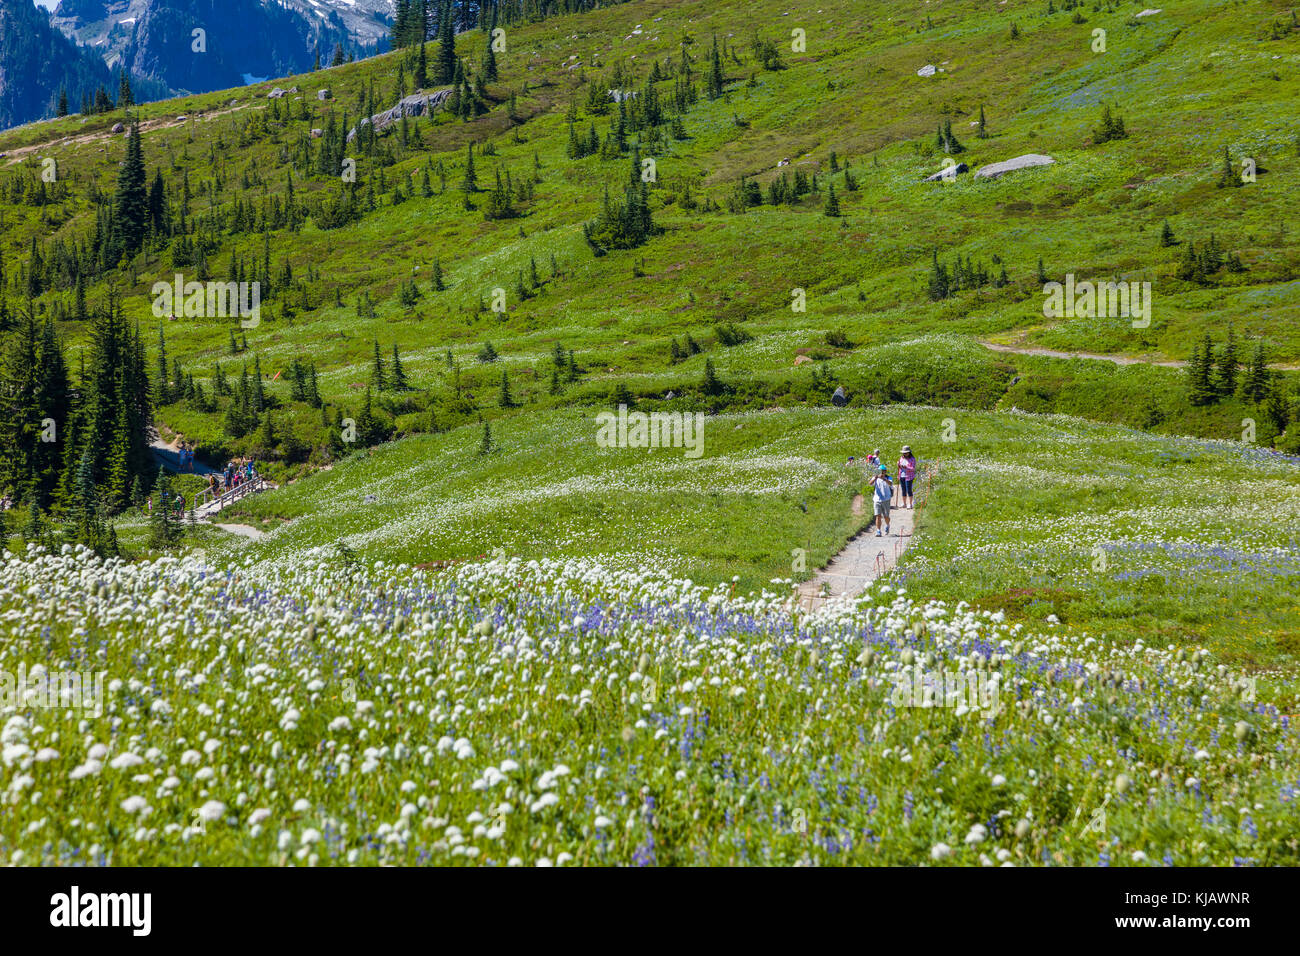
{"x": 221, "y": 499}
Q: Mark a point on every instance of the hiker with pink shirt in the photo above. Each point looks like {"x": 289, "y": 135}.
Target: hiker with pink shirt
{"x": 906, "y": 475}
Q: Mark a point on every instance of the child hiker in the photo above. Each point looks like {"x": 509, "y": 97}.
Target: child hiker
{"x": 884, "y": 493}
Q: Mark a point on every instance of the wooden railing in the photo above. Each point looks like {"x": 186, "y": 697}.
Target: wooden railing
{"x": 228, "y": 497}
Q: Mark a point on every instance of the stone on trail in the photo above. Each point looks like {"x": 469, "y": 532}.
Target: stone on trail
{"x": 994, "y": 170}
{"x": 118, "y": 127}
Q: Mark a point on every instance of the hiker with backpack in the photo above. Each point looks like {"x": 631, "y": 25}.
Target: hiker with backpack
{"x": 906, "y": 475}
{"x": 883, "y": 494}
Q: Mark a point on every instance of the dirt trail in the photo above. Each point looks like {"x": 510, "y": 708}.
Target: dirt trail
{"x": 863, "y": 559}
{"x": 168, "y": 454}
{"x": 1117, "y": 359}
{"x": 169, "y": 122}
{"x": 243, "y": 530}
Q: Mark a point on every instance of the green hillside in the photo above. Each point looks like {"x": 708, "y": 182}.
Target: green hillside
{"x": 248, "y": 192}
{"x": 567, "y": 395}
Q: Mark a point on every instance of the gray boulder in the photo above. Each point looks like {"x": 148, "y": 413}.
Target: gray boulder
{"x": 840, "y": 398}
{"x": 323, "y": 94}
{"x": 1028, "y": 161}
{"x": 417, "y": 104}
{"x": 275, "y": 94}
{"x": 945, "y": 173}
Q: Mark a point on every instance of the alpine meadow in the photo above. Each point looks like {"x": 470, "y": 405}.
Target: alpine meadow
{"x": 650, "y": 432}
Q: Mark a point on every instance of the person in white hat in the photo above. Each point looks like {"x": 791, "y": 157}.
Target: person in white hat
{"x": 906, "y": 475}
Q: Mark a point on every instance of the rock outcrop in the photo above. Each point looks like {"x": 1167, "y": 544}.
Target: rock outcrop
{"x": 1028, "y": 161}
{"x": 417, "y": 104}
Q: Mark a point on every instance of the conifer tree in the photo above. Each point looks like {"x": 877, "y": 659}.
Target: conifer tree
{"x": 1225, "y": 376}
{"x": 378, "y": 380}
{"x": 1167, "y": 235}
{"x": 267, "y": 438}
{"x": 715, "y": 81}
{"x": 1200, "y": 372}
{"x": 131, "y": 204}
{"x": 1275, "y": 408}
{"x": 1254, "y": 386}
{"x": 832, "y": 207}
{"x": 421, "y": 78}
{"x": 490, "y": 61}
{"x": 469, "y": 182}
{"x": 397, "y": 377}
{"x": 164, "y": 527}
{"x": 445, "y": 64}
{"x": 710, "y": 384}
{"x": 125, "y": 97}
{"x": 258, "y": 395}
{"x": 1227, "y": 175}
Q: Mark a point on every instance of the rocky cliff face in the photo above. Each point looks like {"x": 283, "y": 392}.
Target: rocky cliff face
{"x": 36, "y": 61}
{"x": 240, "y": 38}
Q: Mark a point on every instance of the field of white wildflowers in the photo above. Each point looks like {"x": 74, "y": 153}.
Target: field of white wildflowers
{"x": 558, "y": 712}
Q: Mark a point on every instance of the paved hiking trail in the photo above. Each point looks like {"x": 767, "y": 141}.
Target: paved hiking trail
{"x": 1096, "y": 357}
{"x": 168, "y": 454}
{"x": 863, "y": 559}
{"x": 243, "y": 530}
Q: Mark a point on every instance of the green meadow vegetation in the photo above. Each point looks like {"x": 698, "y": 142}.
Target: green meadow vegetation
{"x": 602, "y": 644}
{"x": 395, "y": 259}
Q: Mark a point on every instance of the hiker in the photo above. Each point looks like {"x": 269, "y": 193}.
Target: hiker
{"x": 148, "y": 505}
{"x": 883, "y": 495}
{"x": 906, "y": 475}
{"x": 874, "y": 459}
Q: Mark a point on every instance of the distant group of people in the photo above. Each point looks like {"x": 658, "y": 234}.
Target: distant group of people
{"x": 883, "y": 488}
{"x": 236, "y": 472}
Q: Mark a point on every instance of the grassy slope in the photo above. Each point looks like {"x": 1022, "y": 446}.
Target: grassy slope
{"x": 1113, "y": 530}
{"x": 1188, "y": 82}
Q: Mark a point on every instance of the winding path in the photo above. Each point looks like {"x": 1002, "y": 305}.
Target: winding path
{"x": 1097, "y": 357}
